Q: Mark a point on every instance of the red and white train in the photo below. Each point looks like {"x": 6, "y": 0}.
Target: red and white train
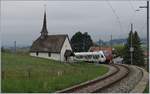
{"x": 100, "y": 56}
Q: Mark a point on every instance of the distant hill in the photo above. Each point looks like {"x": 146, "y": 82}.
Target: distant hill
{"x": 118, "y": 41}
{"x": 20, "y": 49}
{"x": 114, "y": 41}
{"x": 144, "y": 41}
{"x": 100, "y": 42}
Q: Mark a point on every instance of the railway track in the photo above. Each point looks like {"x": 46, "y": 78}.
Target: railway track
{"x": 129, "y": 83}
{"x": 101, "y": 83}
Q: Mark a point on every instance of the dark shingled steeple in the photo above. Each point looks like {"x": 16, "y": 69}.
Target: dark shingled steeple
{"x": 44, "y": 32}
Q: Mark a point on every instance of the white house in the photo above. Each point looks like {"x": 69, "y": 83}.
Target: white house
{"x": 55, "y": 47}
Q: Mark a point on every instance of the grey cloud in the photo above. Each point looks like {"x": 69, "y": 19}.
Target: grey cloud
{"x": 22, "y": 21}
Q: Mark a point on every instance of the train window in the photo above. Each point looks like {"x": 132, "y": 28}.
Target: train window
{"x": 95, "y": 56}
{"x": 86, "y": 57}
{"x": 89, "y": 56}
{"x": 77, "y": 56}
{"x": 81, "y": 56}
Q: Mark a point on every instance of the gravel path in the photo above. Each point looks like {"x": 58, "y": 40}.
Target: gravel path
{"x": 140, "y": 87}
{"x": 126, "y": 84}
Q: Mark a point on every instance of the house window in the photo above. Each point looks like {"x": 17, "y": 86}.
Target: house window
{"x": 49, "y": 54}
{"x": 37, "y": 53}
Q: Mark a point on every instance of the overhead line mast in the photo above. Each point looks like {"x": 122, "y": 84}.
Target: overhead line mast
{"x": 131, "y": 47}
{"x": 147, "y": 7}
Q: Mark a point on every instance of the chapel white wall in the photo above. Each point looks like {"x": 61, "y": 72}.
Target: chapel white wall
{"x": 66, "y": 46}
{"x": 55, "y": 56}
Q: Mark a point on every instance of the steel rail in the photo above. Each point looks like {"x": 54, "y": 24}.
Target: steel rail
{"x": 80, "y": 87}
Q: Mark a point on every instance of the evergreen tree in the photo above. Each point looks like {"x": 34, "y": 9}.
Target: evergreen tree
{"x": 138, "y": 57}
{"x": 76, "y": 42}
{"x": 2, "y": 49}
{"x": 126, "y": 55}
{"x": 87, "y": 41}
{"x": 81, "y": 42}
{"x": 138, "y": 52}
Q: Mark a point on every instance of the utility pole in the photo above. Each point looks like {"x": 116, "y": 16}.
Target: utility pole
{"x": 131, "y": 47}
{"x": 100, "y": 44}
{"x": 14, "y": 46}
{"x": 147, "y": 33}
{"x": 84, "y": 44}
{"x": 111, "y": 42}
{"x": 111, "y": 48}
{"x": 83, "y": 48}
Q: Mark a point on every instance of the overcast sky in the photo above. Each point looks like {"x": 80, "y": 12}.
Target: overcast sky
{"x": 22, "y": 20}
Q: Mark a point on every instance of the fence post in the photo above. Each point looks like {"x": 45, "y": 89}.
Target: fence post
{"x": 3, "y": 74}
{"x": 29, "y": 73}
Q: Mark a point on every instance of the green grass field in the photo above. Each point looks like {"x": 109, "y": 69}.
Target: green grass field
{"x": 23, "y": 73}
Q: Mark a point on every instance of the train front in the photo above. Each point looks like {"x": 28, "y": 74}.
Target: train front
{"x": 108, "y": 56}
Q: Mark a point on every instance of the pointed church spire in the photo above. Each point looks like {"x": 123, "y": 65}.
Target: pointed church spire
{"x": 44, "y": 31}
{"x": 44, "y": 22}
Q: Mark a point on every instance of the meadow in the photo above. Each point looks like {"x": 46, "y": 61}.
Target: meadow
{"x": 23, "y": 73}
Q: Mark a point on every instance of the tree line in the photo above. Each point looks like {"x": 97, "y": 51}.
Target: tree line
{"x": 81, "y": 42}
